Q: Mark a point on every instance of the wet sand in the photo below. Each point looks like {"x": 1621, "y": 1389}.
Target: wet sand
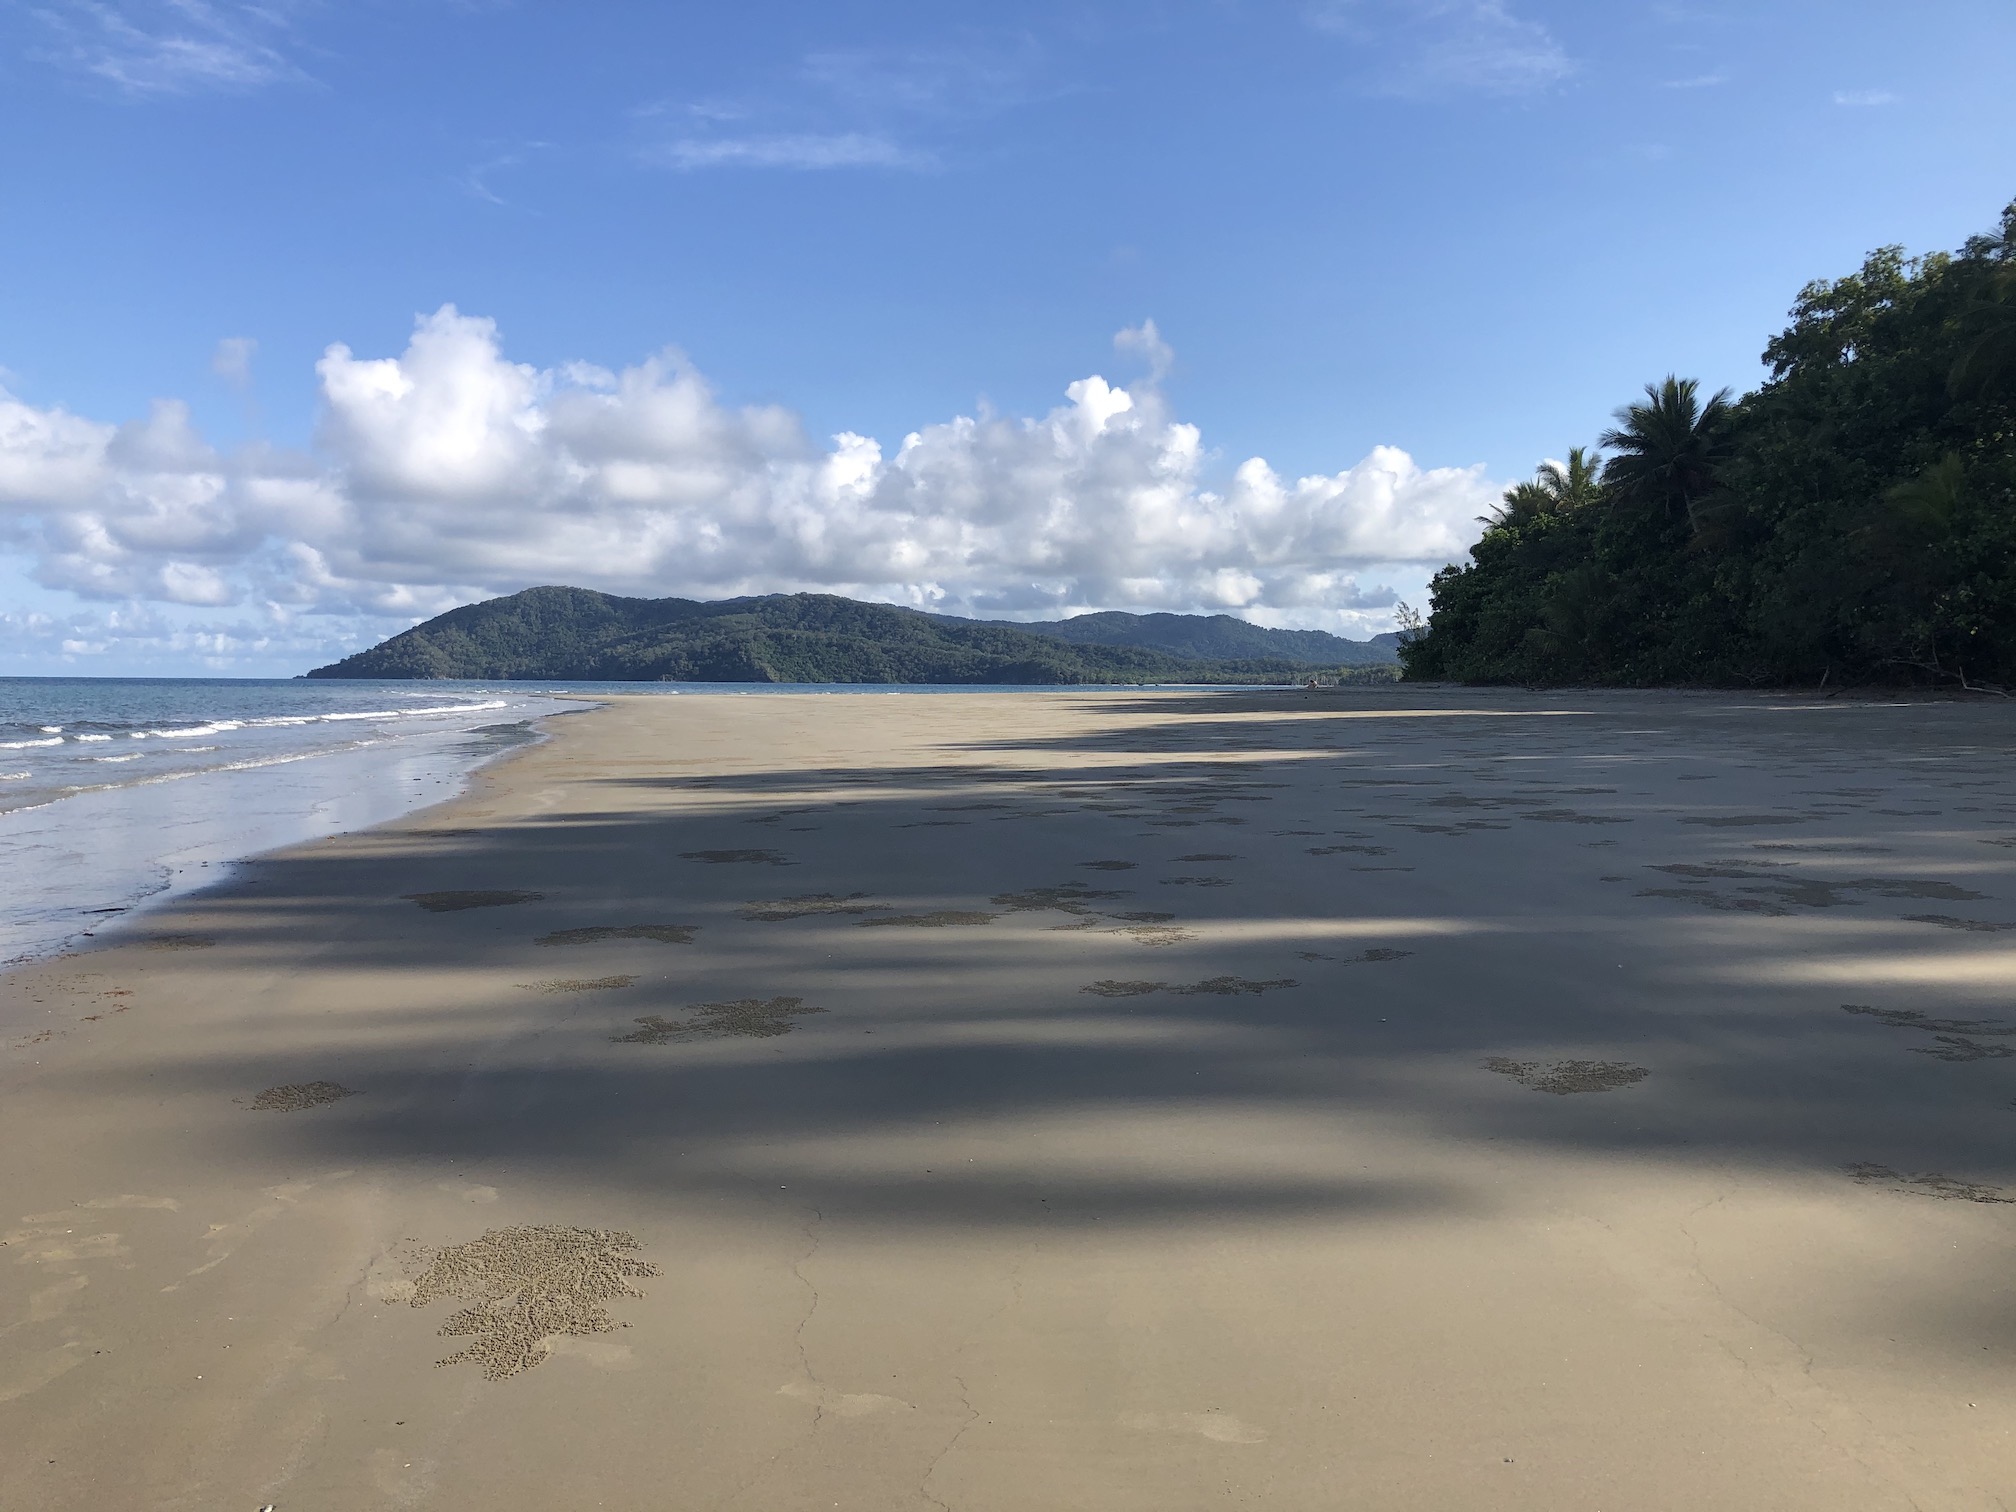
{"x": 1357, "y": 1099}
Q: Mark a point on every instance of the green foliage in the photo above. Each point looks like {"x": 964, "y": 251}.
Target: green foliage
{"x": 1852, "y": 520}
{"x": 1213, "y": 637}
{"x": 580, "y": 635}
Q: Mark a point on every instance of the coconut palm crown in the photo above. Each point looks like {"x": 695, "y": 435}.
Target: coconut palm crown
{"x": 1669, "y": 449}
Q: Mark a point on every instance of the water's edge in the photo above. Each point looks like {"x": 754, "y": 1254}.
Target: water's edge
{"x": 105, "y": 885}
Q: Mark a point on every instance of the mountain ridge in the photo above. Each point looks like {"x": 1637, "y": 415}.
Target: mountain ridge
{"x": 585, "y": 635}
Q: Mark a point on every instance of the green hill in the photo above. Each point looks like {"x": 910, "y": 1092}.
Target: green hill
{"x": 581, "y": 635}
{"x": 1208, "y": 637}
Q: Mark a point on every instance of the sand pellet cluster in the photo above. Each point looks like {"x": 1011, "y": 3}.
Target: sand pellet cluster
{"x": 295, "y": 1096}
{"x": 748, "y": 1018}
{"x": 1565, "y": 1078}
{"x": 529, "y": 1284}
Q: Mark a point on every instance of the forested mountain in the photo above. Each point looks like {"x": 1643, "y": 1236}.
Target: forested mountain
{"x": 1853, "y": 520}
{"x": 1207, "y": 636}
{"x": 578, "y": 634}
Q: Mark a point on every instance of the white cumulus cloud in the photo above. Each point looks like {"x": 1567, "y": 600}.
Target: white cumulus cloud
{"x": 449, "y": 473}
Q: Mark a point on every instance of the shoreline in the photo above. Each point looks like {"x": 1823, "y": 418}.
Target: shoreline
{"x": 109, "y": 853}
{"x": 1413, "y": 1100}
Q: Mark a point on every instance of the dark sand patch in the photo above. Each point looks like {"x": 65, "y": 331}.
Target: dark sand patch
{"x": 738, "y": 857}
{"x": 944, "y": 918}
{"x": 746, "y": 1018}
{"x": 1818, "y": 848}
{"x": 1107, "y": 865}
{"x": 1778, "y": 896}
{"x": 1070, "y": 897}
{"x": 809, "y": 905}
{"x": 1196, "y": 882}
{"x": 1313, "y": 955}
{"x": 527, "y": 1285}
{"x": 179, "y": 942}
{"x": 594, "y": 934}
{"x": 1748, "y": 821}
{"x": 1568, "y": 1077}
{"x": 1142, "y": 916}
{"x": 1926, "y": 1184}
{"x": 579, "y": 984}
{"x": 1223, "y": 986}
{"x": 295, "y": 1096}
{"x": 453, "y": 902}
{"x": 1955, "y": 1047}
{"x": 1208, "y": 856}
{"x": 1570, "y": 816}
{"x": 1377, "y": 953}
{"x": 1947, "y": 921}
{"x": 1350, "y": 850}
{"x": 779, "y": 816}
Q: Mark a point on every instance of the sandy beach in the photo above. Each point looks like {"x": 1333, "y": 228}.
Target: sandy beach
{"x": 1432, "y": 1099}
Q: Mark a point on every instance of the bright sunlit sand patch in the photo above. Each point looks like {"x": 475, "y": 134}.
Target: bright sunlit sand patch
{"x": 1947, "y": 967}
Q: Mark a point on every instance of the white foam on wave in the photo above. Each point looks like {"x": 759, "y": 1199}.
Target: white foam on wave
{"x": 29, "y": 745}
{"x": 215, "y": 727}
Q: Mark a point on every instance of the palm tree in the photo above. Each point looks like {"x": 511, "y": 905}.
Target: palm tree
{"x": 1555, "y": 489}
{"x": 1669, "y": 449}
{"x": 1990, "y": 324}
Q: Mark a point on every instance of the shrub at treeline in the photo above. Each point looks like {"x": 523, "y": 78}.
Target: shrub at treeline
{"x": 1853, "y": 520}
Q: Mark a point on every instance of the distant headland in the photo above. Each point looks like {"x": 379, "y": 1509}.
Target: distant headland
{"x": 579, "y": 634}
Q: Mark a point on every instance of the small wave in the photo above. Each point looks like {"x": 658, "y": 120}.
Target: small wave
{"x": 29, "y": 745}
{"x": 90, "y": 737}
{"x": 15, "y": 776}
{"x": 137, "y": 755}
{"x": 215, "y": 727}
{"x": 476, "y": 708}
{"x": 51, "y": 729}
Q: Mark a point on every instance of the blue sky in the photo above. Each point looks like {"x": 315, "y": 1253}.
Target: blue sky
{"x": 1399, "y": 249}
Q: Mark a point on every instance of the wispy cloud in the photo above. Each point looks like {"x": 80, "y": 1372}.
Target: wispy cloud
{"x": 1864, "y": 98}
{"x": 1443, "y": 48}
{"x": 935, "y": 81}
{"x": 1699, "y": 81}
{"x": 858, "y": 107}
{"x": 171, "y": 47}
{"x": 476, "y": 180}
{"x": 799, "y": 150}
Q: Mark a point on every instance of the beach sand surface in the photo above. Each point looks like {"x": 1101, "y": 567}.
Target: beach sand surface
{"x": 1398, "y": 1099}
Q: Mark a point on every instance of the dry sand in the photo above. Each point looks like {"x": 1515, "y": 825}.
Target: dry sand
{"x": 1366, "y": 1099}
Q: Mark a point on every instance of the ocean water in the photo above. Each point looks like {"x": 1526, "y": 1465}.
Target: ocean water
{"x": 118, "y": 793}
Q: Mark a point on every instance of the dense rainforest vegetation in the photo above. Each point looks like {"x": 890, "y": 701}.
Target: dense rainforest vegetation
{"x": 1851, "y": 521}
{"x": 578, "y": 634}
